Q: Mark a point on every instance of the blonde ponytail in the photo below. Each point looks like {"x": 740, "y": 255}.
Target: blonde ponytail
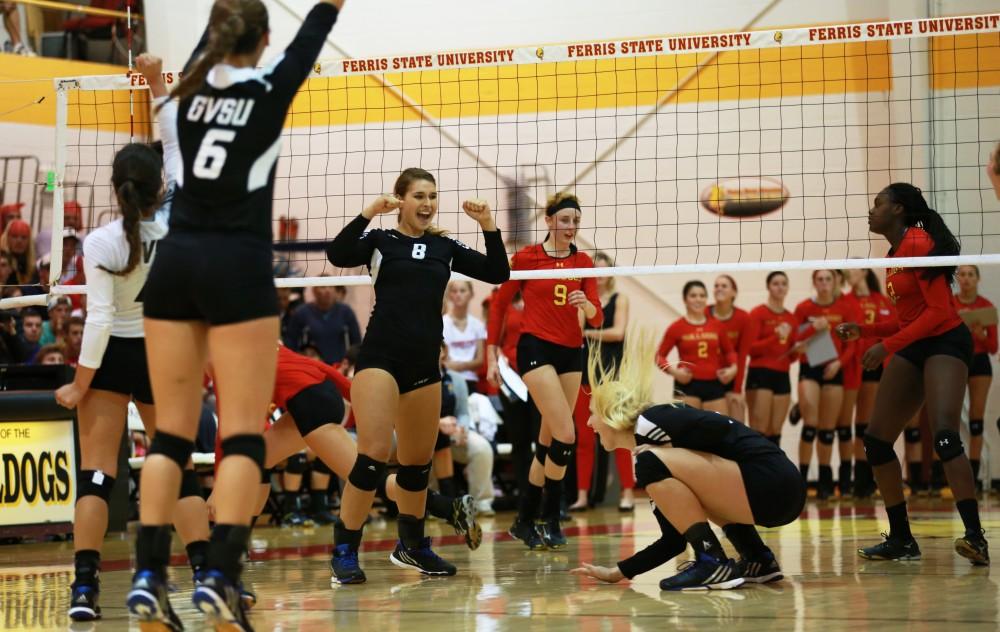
{"x": 620, "y": 394}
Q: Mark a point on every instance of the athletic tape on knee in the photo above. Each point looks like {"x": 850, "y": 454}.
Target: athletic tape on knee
{"x": 560, "y": 453}
{"x": 319, "y": 467}
{"x": 808, "y": 434}
{"x": 366, "y": 473}
{"x": 297, "y": 463}
{"x": 878, "y": 452}
{"x": 94, "y": 483}
{"x": 860, "y": 430}
{"x": 911, "y": 435}
{"x": 413, "y": 478}
{"x": 844, "y": 434}
{"x": 650, "y": 469}
{"x": 175, "y": 448}
{"x": 542, "y": 451}
{"x": 948, "y": 445}
{"x": 976, "y": 427}
{"x": 190, "y": 486}
{"x": 248, "y": 445}
{"x": 826, "y": 437}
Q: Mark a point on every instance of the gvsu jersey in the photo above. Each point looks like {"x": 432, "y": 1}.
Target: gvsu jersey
{"x": 230, "y": 136}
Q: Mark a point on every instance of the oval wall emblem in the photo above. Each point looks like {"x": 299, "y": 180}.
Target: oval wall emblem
{"x": 745, "y": 197}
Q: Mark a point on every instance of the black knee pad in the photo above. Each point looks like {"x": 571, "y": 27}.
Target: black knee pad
{"x": 265, "y": 476}
{"x": 808, "y": 434}
{"x": 860, "y": 430}
{"x": 413, "y": 478}
{"x": 650, "y": 469}
{"x": 542, "y": 451}
{"x": 94, "y": 483}
{"x": 175, "y": 448}
{"x": 825, "y": 436}
{"x": 878, "y": 452}
{"x": 948, "y": 445}
{"x": 319, "y": 467}
{"x": 189, "y": 484}
{"x": 560, "y": 453}
{"x": 248, "y": 445}
{"x": 911, "y": 435}
{"x": 366, "y": 473}
{"x": 297, "y": 463}
{"x": 844, "y": 434}
{"x": 976, "y": 427}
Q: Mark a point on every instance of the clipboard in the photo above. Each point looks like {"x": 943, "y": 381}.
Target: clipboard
{"x": 510, "y": 380}
{"x": 984, "y": 316}
{"x": 820, "y": 348}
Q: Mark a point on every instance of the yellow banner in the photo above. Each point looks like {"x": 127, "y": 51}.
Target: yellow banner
{"x": 37, "y": 472}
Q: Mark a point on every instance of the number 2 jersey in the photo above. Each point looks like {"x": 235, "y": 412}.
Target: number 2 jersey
{"x": 704, "y": 348}
{"x": 410, "y": 275}
{"x": 230, "y": 136}
{"x": 548, "y": 315}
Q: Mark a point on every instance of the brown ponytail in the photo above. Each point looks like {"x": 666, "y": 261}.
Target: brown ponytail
{"x": 235, "y": 27}
{"x": 137, "y": 176}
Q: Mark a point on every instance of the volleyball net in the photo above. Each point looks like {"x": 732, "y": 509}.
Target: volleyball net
{"x": 742, "y": 150}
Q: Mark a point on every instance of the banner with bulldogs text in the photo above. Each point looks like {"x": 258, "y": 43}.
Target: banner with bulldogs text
{"x": 37, "y": 472}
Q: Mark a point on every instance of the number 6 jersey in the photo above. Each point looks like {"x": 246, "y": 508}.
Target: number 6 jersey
{"x": 230, "y": 136}
{"x": 547, "y": 312}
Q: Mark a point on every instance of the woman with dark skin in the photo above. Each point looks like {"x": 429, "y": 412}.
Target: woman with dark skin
{"x": 931, "y": 353}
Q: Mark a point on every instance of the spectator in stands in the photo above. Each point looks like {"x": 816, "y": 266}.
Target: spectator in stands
{"x": 59, "y": 309}
{"x": 31, "y": 334}
{"x": 51, "y": 354}
{"x": 464, "y": 334}
{"x": 6, "y": 266}
{"x": 330, "y": 325}
{"x": 11, "y": 22}
{"x": 16, "y": 240}
{"x": 8, "y": 213}
{"x": 993, "y": 170}
{"x": 72, "y": 337}
{"x": 12, "y": 347}
{"x": 72, "y": 265}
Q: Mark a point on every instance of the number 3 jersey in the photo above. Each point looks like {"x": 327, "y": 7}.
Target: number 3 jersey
{"x": 548, "y": 313}
{"x": 410, "y": 275}
{"x": 230, "y": 136}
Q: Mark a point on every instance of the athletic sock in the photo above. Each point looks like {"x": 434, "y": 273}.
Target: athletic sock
{"x": 87, "y": 564}
{"x": 915, "y": 472}
{"x": 804, "y": 471}
{"x": 411, "y": 530}
{"x": 899, "y": 522}
{"x": 746, "y": 540}
{"x": 553, "y": 498}
{"x": 226, "y": 548}
{"x": 152, "y": 549}
{"x": 530, "y": 502}
{"x": 197, "y": 553}
{"x": 438, "y": 505}
{"x": 343, "y": 535}
{"x": 701, "y": 537}
{"x": 844, "y": 476}
{"x": 969, "y": 510}
{"x": 975, "y": 468}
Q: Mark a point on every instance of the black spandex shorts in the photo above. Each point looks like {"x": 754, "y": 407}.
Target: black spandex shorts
{"x": 774, "y": 488}
{"x": 875, "y": 375}
{"x": 411, "y": 370}
{"x": 815, "y": 373}
{"x": 533, "y": 352}
{"x": 705, "y": 390}
{"x": 768, "y": 379}
{"x": 956, "y": 342}
{"x": 124, "y": 370}
{"x": 981, "y": 366}
{"x": 216, "y": 278}
{"x": 317, "y": 405}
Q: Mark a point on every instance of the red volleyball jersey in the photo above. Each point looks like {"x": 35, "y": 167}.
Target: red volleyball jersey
{"x": 766, "y": 348}
{"x": 875, "y": 308}
{"x": 842, "y": 310}
{"x": 296, "y": 373}
{"x": 924, "y": 308}
{"x": 704, "y": 349}
{"x": 547, "y": 312}
{"x": 981, "y": 344}
{"x": 735, "y": 328}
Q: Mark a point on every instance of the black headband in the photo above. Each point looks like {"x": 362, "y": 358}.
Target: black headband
{"x": 561, "y": 204}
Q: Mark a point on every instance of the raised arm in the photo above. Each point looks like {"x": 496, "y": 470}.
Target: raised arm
{"x": 492, "y": 267}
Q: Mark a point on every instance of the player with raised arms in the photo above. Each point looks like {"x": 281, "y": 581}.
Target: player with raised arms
{"x": 210, "y": 293}
{"x": 397, "y": 380}
{"x": 931, "y": 351}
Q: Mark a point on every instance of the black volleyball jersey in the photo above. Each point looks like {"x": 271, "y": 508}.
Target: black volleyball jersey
{"x": 230, "y": 136}
{"x": 706, "y": 431}
{"x": 410, "y": 275}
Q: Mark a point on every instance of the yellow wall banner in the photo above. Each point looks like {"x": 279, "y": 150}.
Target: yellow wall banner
{"x": 37, "y": 472}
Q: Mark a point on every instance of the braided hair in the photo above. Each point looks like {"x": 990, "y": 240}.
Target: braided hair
{"x": 916, "y": 212}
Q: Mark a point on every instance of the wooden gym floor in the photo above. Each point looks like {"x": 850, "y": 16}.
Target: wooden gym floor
{"x": 503, "y": 586}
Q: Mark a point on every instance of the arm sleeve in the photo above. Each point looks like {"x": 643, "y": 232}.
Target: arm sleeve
{"x": 742, "y": 353}
{"x": 491, "y": 267}
{"x": 756, "y": 345}
{"x": 589, "y": 287}
{"x": 100, "y": 304}
{"x": 498, "y": 310}
{"x": 352, "y": 247}
{"x": 991, "y": 339}
{"x": 295, "y": 64}
{"x": 670, "y": 545}
{"x": 881, "y": 329}
{"x": 726, "y": 346}
{"x": 849, "y": 350}
{"x": 666, "y": 344}
{"x": 173, "y": 166}
{"x": 937, "y": 297}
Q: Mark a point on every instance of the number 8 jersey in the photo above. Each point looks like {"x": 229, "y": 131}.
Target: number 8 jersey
{"x": 230, "y": 136}
{"x": 547, "y": 312}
